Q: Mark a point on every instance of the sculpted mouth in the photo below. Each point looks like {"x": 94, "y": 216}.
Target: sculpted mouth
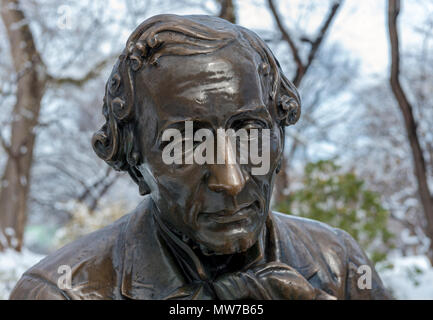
{"x": 238, "y": 214}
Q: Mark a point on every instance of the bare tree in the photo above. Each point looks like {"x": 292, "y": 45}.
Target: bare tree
{"x": 302, "y": 67}
{"x": 406, "y": 109}
{"x": 227, "y": 10}
{"x": 31, "y": 81}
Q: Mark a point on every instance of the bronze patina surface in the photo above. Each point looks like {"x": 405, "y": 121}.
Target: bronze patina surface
{"x": 202, "y": 231}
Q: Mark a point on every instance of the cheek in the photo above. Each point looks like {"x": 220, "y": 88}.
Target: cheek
{"x": 276, "y": 146}
{"x": 265, "y": 182}
{"x": 174, "y": 185}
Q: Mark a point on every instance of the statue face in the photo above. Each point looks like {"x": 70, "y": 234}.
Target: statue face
{"x": 223, "y": 207}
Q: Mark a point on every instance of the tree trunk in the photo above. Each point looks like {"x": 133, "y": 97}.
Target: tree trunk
{"x": 31, "y": 81}
{"x": 227, "y": 10}
{"x": 409, "y": 121}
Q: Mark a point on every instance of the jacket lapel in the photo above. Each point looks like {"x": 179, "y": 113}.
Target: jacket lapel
{"x": 149, "y": 271}
{"x": 289, "y": 246}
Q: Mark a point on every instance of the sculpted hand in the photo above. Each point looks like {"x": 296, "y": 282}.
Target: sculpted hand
{"x": 272, "y": 281}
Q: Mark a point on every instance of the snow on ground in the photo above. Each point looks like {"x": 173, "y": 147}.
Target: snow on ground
{"x": 12, "y": 265}
{"x": 410, "y": 278}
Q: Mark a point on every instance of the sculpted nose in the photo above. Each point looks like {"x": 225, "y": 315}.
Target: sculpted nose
{"x": 226, "y": 177}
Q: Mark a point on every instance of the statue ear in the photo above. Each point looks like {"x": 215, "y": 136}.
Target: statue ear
{"x": 289, "y": 110}
{"x": 288, "y": 101}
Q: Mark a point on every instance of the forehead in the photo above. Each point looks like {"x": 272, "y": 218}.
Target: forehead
{"x": 209, "y": 87}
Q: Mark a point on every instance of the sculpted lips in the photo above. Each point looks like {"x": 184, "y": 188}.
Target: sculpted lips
{"x": 238, "y": 214}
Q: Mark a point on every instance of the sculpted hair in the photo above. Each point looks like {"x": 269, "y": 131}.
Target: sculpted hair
{"x": 165, "y": 35}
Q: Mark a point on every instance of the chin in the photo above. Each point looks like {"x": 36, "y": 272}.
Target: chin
{"x": 241, "y": 245}
{"x": 230, "y": 246}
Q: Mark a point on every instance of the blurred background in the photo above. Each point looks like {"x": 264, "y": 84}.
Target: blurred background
{"x": 360, "y": 158}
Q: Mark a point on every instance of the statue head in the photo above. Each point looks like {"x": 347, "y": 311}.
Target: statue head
{"x": 214, "y": 75}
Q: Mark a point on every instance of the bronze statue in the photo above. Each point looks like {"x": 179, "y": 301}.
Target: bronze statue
{"x": 203, "y": 231}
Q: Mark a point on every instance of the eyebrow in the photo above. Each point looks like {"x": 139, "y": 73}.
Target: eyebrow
{"x": 180, "y": 124}
{"x": 203, "y": 123}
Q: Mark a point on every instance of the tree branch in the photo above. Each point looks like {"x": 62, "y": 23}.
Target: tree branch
{"x": 6, "y": 147}
{"x": 92, "y": 74}
{"x": 286, "y": 36}
{"x": 319, "y": 39}
{"x": 302, "y": 67}
{"x": 282, "y": 180}
{"x": 227, "y": 10}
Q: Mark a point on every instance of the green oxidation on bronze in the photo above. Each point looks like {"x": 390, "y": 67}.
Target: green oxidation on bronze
{"x": 202, "y": 231}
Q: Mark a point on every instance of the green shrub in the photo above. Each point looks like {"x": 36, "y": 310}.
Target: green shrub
{"x": 342, "y": 200}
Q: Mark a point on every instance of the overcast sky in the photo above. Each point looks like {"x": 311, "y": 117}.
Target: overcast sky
{"x": 360, "y": 26}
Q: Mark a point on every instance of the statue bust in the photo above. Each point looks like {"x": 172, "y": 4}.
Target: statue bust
{"x": 203, "y": 230}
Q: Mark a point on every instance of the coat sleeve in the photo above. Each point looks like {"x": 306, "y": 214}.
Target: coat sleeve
{"x": 34, "y": 288}
{"x": 362, "y": 280}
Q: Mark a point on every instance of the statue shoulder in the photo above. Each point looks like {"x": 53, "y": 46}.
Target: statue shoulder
{"x": 331, "y": 249}
{"x": 92, "y": 261}
{"x": 319, "y": 236}
{"x": 308, "y": 228}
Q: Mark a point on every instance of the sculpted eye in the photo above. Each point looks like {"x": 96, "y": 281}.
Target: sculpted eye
{"x": 181, "y": 140}
{"x": 254, "y": 125}
{"x": 251, "y": 124}
{"x": 252, "y": 128}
